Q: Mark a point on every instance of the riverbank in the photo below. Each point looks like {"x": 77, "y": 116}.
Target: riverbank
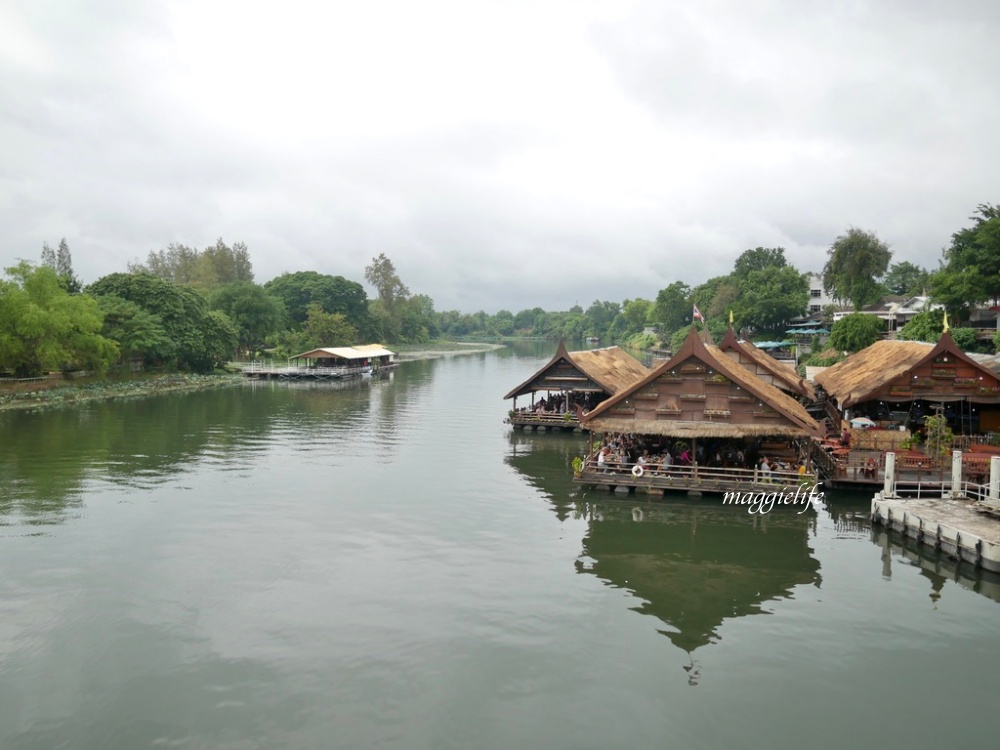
{"x": 439, "y": 349}
{"x": 51, "y": 393}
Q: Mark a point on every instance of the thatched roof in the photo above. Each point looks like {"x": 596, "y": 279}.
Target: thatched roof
{"x": 864, "y": 372}
{"x": 611, "y": 368}
{"x": 859, "y": 376}
{"x": 693, "y": 347}
{"x": 779, "y": 370}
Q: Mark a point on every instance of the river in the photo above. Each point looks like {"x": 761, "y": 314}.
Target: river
{"x": 384, "y": 564}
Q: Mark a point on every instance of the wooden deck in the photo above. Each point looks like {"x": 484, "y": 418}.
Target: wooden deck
{"x": 265, "y": 371}
{"x": 843, "y": 467}
{"x": 529, "y": 421}
{"x": 691, "y": 479}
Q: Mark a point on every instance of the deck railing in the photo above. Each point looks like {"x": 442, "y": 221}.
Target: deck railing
{"x": 622, "y": 471}
{"x": 267, "y": 368}
{"x": 554, "y": 419}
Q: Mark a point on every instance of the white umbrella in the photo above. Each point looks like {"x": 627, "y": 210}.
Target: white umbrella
{"x": 862, "y": 422}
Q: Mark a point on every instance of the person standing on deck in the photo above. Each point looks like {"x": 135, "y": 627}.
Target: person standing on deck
{"x": 765, "y": 470}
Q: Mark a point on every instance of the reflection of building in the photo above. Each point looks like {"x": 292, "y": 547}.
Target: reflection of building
{"x": 937, "y": 568}
{"x": 695, "y": 566}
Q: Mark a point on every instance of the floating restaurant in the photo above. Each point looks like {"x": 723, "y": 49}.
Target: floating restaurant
{"x": 700, "y": 422}
{"x": 572, "y": 382}
{"x": 887, "y": 391}
{"x": 331, "y": 363}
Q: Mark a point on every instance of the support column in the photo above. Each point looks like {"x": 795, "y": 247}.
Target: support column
{"x": 889, "y": 484}
{"x": 995, "y": 480}
{"x": 956, "y": 474}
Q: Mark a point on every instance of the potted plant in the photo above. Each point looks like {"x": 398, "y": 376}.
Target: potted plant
{"x": 577, "y": 466}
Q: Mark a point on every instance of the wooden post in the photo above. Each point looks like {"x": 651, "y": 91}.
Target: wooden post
{"x": 694, "y": 456}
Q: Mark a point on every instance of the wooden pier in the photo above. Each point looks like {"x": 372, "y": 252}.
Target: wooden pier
{"x": 529, "y": 421}
{"x": 263, "y": 371}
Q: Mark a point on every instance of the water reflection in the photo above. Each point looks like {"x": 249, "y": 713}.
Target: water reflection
{"x": 937, "y": 568}
{"x": 140, "y": 443}
{"x": 696, "y": 563}
{"x": 692, "y": 563}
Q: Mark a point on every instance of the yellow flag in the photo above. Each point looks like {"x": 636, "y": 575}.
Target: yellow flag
{"x": 945, "y": 322}
{"x": 730, "y": 317}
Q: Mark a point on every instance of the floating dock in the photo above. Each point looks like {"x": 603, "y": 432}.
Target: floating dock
{"x": 962, "y": 521}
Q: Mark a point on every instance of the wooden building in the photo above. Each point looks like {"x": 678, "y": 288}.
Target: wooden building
{"x": 766, "y": 367}
{"x": 329, "y": 363}
{"x": 701, "y": 393}
{"x": 571, "y": 383}
{"x": 896, "y": 384}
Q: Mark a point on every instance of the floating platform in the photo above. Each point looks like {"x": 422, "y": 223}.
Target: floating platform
{"x": 955, "y": 526}
{"x": 267, "y": 372}
{"x": 698, "y": 481}
{"x": 529, "y": 421}
{"x": 962, "y": 521}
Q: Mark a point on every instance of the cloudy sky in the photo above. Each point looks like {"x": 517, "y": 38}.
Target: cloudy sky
{"x": 504, "y": 154}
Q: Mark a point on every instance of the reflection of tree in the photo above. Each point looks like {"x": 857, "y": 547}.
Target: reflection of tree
{"x": 698, "y": 564}
{"x": 138, "y": 442}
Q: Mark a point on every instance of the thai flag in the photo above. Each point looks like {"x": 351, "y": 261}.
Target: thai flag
{"x": 696, "y": 315}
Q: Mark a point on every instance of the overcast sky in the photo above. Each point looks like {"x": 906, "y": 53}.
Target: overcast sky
{"x": 502, "y": 154}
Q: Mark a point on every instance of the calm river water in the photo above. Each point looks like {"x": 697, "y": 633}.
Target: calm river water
{"x": 387, "y": 565}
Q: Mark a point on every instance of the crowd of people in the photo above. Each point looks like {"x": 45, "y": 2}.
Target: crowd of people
{"x": 556, "y": 403}
{"x": 623, "y": 452}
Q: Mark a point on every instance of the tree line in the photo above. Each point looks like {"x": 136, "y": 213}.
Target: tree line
{"x": 190, "y": 309}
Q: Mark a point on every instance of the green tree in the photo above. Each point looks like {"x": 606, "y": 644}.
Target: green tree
{"x": 61, "y": 262}
{"x": 221, "y": 336}
{"x": 502, "y": 323}
{"x": 759, "y": 259}
{"x": 770, "y": 297}
{"x": 938, "y": 438}
{"x": 334, "y": 294}
{"x": 255, "y": 313}
{"x": 176, "y": 263}
{"x": 182, "y": 311}
{"x": 321, "y": 329}
{"x": 44, "y": 327}
{"x": 970, "y": 273}
{"x": 392, "y": 295}
{"x": 137, "y": 332}
{"x": 966, "y": 339}
{"x": 636, "y": 312}
{"x": 856, "y": 331}
{"x": 857, "y": 262}
{"x": 906, "y": 279}
{"x": 716, "y": 327}
{"x": 672, "y": 308}
{"x": 924, "y": 326}
{"x": 419, "y": 323}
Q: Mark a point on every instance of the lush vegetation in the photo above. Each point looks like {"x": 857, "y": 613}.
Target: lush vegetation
{"x": 185, "y": 309}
